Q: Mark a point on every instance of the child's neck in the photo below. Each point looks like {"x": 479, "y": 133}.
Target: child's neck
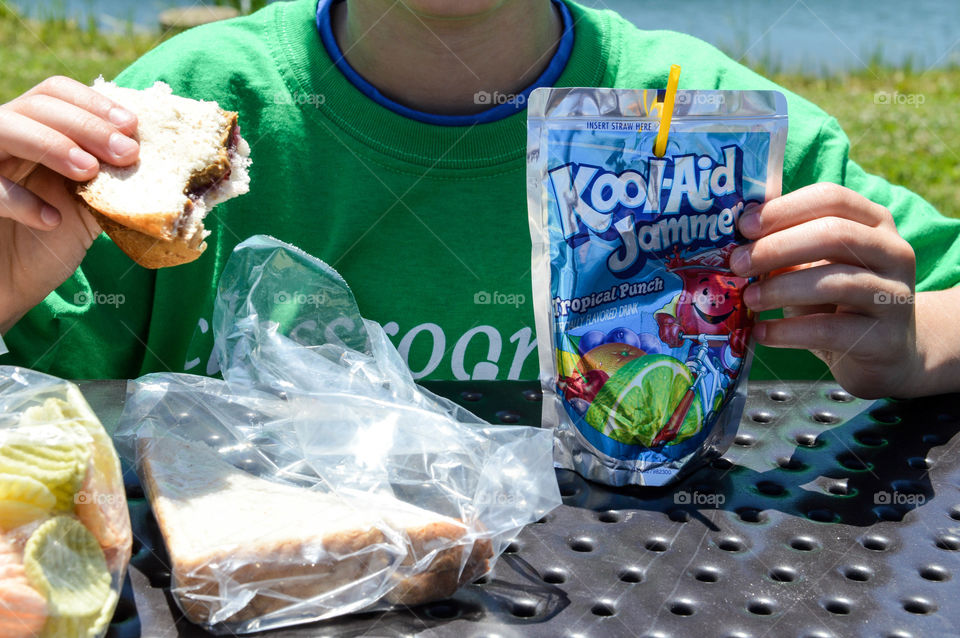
{"x": 438, "y": 64}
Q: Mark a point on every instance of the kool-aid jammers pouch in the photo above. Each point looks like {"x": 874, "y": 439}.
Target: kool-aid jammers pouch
{"x": 641, "y": 330}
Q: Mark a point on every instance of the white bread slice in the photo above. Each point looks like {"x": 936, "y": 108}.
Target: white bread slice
{"x": 154, "y": 209}
{"x": 229, "y": 532}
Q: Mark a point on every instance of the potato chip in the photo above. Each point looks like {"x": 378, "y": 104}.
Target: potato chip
{"x": 64, "y": 561}
{"x": 22, "y": 500}
{"x": 23, "y": 610}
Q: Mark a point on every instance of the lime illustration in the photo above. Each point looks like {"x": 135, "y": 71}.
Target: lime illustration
{"x": 637, "y": 402}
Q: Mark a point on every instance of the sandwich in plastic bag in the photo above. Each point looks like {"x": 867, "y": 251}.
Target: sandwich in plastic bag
{"x": 64, "y": 527}
{"x": 317, "y": 478}
{"x": 641, "y": 331}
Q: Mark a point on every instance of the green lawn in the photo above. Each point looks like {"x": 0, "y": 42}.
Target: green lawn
{"x": 903, "y": 124}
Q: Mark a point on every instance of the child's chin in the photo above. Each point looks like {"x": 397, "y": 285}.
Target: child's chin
{"x": 446, "y": 9}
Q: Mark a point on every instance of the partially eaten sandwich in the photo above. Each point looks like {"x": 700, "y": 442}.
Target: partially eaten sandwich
{"x": 191, "y": 159}
{"x": 243, "y": 547}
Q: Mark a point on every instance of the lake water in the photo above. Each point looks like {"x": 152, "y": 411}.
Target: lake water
{"x": 813, "y": 35}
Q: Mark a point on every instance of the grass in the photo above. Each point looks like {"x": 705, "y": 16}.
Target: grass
{"x": 902, "y": 123}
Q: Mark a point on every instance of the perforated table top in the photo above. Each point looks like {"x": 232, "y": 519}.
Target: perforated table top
{"x": 830, "y": 516}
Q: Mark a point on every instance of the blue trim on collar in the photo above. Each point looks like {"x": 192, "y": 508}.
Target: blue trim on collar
{"x": 498, "y": 112}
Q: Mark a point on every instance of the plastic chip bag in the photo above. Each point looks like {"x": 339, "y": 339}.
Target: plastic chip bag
{"x": 317, "y": 478}
{"x": 65, "y": 534}
{"x": 641, "y": 331}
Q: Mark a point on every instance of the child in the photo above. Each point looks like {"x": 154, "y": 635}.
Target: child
{"x": 388, "y": 139}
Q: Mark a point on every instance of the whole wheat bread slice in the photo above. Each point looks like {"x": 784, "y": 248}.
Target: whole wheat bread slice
{"x": 228, "y": 531}
{"x": 191, "y": 158}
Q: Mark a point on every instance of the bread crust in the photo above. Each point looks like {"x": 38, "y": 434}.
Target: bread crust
{"x": 148, "y": 251}
{"x": 284, "y": 576}
{"x": 153, "y": 240}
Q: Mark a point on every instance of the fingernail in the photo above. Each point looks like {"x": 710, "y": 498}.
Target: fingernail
{"x": 752, "y": 295}
{"x": 740, "y": 261}
{"x": 760, "y": 331}
{"x": 81, "y": 160}
{"x": 750, "y": 223}
{"x": 120, "y": 117}
{"x": 49, "y": 215}
{"x": 121, "y": 145}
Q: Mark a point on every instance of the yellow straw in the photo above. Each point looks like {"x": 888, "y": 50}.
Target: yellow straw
{"x": 666, "y": 111}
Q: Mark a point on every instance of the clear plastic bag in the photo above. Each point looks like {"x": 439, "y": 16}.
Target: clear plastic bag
{"x": 65, "y": 534}
{"x": 317, "y": 478}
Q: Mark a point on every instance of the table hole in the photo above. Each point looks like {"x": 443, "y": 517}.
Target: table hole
{"x": 852, "y": 462}
{"x": 751, "y": 515}
{"x": 792, "y": 464}
{"x": 935, "y": 573}
{"x": 898, "y": 634}
{"x": 508, "y": 416}
{"x": 610, "y": 516}
{"x": 780, "y": 396}
{"x": 818, "y": 634}
{"x": 533, "y": 395}
{"x": 934, "y": 439}
{"x": 761, "y": 607}
{"x": 857, "y": 573}
{"x": 657, "y": 544}
{"x": 721, "y": 464}
{"x": 566, "y": 491}
{"x": 512, "y": 547}
{"x": 444, "y": 610}
{"x": 678, "y": 516}
{"x": 918, "y": 605}
{"x": 468, "y": 395}
{"x": 681, "y": 608}
{"x": 919, "y": 463}
{"x": 483, "y": 580}
{"x": 631, "y": 575}
{"x": 885, "y": 416}
{"x": 603, "y": 608}
{"x": 823, "y": 515}
{"x": 731, "y": 544}
{"x": 744, "y": 440}
{"x": 770, "y": 488}
{"x": 840, "y": 396}
{"x": 875, "y": 543}
{"x": 887, "y": 513}
{"x": 762, "y": 417}
{"x": 542, "y": 520}
{"x": 955, "y": 512}
{"x": 804, "y": 543}
{"x": 524, "y": 608}
{"x": 807, "y": 439}
{"x": 783, "y": 574}
{"x": 555, "y": 576}
{"x": 582, "y": 544}
{"x": 707, "y": 574}
{"x": 826, "y": 418}
{"x": 869, "y": 438}
{"x": 948, "y": 542}
{"x": 839, "y": 488}
{"x": 838, "y": 606}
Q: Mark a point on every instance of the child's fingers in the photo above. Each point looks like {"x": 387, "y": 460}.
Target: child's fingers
{"x": 35, "y": 142}
{"x": 833, "y": 284}
{"x": 20, "y": 205}
{"x": 84, "y": 97}
{"x": 840, "y": 333}
{"x": 809, "y": 203}
{"x": 833, "y": 239}
{"x": 89, "y": 131}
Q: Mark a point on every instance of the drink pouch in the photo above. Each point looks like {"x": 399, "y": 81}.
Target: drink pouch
{"x": 642, "y": 334}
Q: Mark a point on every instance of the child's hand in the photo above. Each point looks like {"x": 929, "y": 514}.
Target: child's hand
{"x": 53, "y": 133}
{"x": 845, "y": 280}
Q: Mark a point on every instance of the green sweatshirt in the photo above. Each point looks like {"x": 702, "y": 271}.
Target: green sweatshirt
{"x": 426, "y": 222}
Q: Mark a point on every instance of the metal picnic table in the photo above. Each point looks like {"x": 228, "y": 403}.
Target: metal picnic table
{"x": 829, "y": 516}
